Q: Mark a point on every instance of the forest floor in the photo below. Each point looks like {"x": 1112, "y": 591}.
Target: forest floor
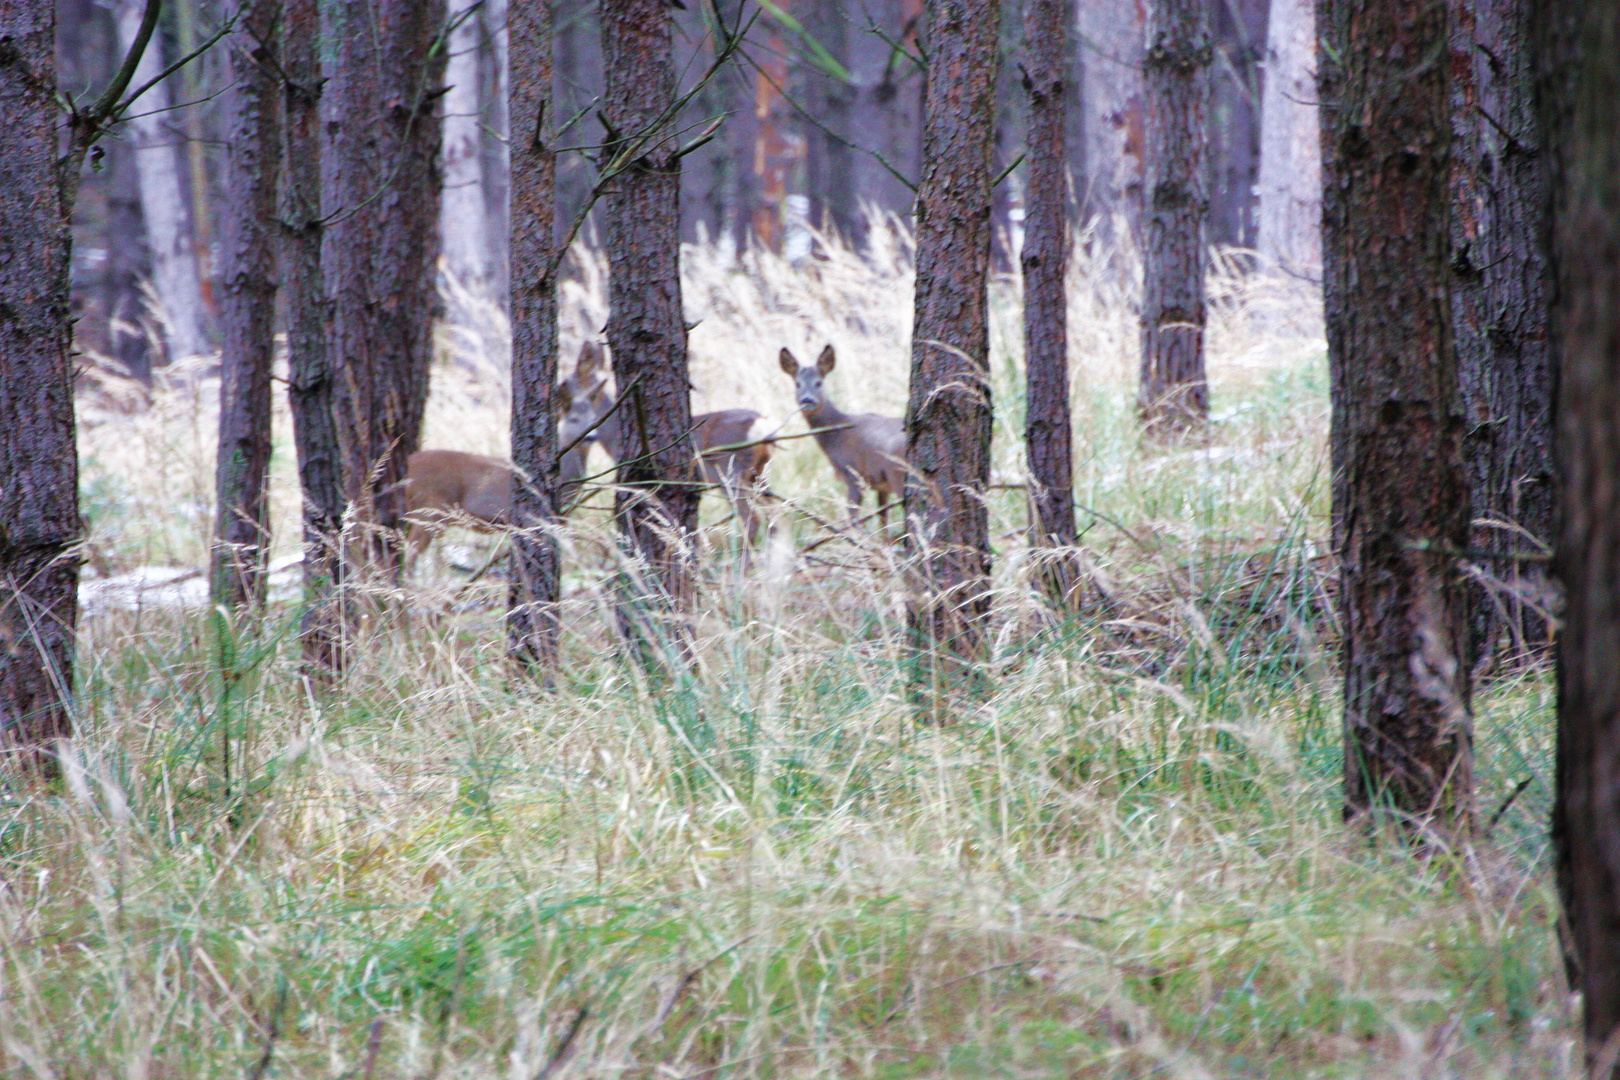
{"x": 1129, "y": 861}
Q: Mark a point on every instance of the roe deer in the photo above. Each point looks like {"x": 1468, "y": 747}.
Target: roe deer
{"x": 734, "y": 445}
{"x": 866, "y": 450}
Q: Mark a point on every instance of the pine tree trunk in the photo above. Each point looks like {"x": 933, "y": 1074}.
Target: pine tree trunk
{"x": 1114, "y": 35}
{"x": 248, "y": 309}
{"x": 948, "y": 418}
{"x": 531, "y": 624}
{"x": 497, "y": 158}
{"x": 1174, "y": 393}
{"x": 39, "y": 464}
{"x": 1400, "y": 498}
{"x": 1290, "y": 198}
{"x": 1045, "y": 258}
{"x": 1578, "y": 57}
{"x": 382, "y": 188}
{"x": 1500, "y": 298}
{"x": 737, "y": 88}
{"x": 128, "y": 262}
{"x": 828, "y": 172}
{"x": 462, "y": 227}
{"x": 1077, "y": 124}
{"x": 311, "y": 384}
{"x": 1239, "y": 31}
{"x": 163, "y": 202}
{"x": 656, "y": 506}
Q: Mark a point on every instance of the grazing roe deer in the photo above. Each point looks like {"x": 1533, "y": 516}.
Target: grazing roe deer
{"x": 866, "y": 450}
{"x": 734, "y": 445}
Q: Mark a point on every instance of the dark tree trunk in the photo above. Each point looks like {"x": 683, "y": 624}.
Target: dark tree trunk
{"x": 247, "y": 277}
{"x": 828, "y": 172}
{"x": 311, "y": 386}
{"x": 1238, "y": 29}
{"x": 39, "y": 463}
{"x": 1500, "y": 300}
{"x": 577, "y": 86}
{"x": 1174, "y": 394}
{"x": 884, "y": 115}
{"x": 656, "y": 506}
{"x": 1045, "y": 258}
{"x": 1400, "y": 497}
{"x": 737, "y": 87}
{"x": 128, "y": 262}
{"x": 531, "y": 625}
{"x": 948, "y": 418}
{"x": 383, "y": 185}
{"x": 1578, "y": 47}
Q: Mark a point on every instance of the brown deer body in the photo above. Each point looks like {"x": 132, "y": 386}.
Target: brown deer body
{"x": 449, "y": 487}
{"x": 866, "y": 450}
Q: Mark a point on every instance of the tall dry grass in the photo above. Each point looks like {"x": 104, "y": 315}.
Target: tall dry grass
{"x": 1128, "y": 862}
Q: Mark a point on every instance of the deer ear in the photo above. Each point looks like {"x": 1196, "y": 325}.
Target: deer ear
{"x": 789, "y": 364}
{"x": 562, "y": 398}
{"x": 590, "y": 358}
{"x": 826, "y": 361}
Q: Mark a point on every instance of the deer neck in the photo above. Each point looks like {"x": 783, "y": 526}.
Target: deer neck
{"x": 826, "y": 415}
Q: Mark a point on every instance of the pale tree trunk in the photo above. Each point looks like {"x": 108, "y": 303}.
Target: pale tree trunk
{"x": 1174, "y": 392}
{"x": 1400, "y": 492}
{"x": 1578, "y": 61}
{"x": 656, "y": 505}
{"x": 382, "y": 191}
{"x": 531, "y": 624}
{"x": 311, "y": 384}
{"x": 462, "y": 224}
{"x": 1500, "y": 299}
{"x": 497, "y": 157}
{"x": 163, "y": 203}
{"x": 1113, "y": 36}
{"x": 948, "y": 417}
{"x": 1238, "y": 28}
{"x": 1045, "y": 258}
{"x": 248, "y": 308}
{"x": 1290, "y": 224}
{"x": 39, "y": 464}
{"x": 128, "y": 262}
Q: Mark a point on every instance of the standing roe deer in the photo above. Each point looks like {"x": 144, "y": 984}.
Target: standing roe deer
{"x": 866, "y": 450}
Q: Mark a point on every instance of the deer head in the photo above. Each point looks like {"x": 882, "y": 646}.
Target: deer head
{"x": 809, "y": 380}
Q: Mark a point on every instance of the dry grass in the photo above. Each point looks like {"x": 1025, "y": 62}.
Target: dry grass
{"x": 1128, "y": 863}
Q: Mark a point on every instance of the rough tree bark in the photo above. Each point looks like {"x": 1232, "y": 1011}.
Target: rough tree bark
{"x": 656, "y": 505}
{"x": 462, "y": 226}
{"x": 1290, "y": 196}
{"x": 1174, "y": 392}
{"x": 311, "y": 386}
{"x": 531, "y": 624}
{"x": 1578, "y": 57}
{"x": 1045, "y": 258}
{"x": 247, "y": 309}
{"x": 39, "y": 465}
{"x": 163, "y": 204}
{"x": 1400, "y": 495}
{"x": 382, "y": 190}
{"x": 948, "y": 417}
{"x": 1500, "y": 299}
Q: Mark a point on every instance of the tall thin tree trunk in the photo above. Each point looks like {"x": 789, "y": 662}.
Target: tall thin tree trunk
{"x": 383, "y": 187}
{"x": 531, "y": 624}
{"x": 128, "y": 261}
{"x": 1400, "y": 498}
{"x": 311, "y": 383}
{"x": 1238, "y": 28}
{"x": 742, "y": 190}
{"x": 948, "y": 418}
{"x": 1578, "y": 60}
{"x": 1076, "y": 123}
{"x": 1500, "y": 299}
{"x": 163, "y": 203}
{"x": 1045, "y": 259}
{"x": 1290, "y": 226}
{"x": 248, "y": 309}
{"x": 39, "y": 463}
{"x": 829, "y": 175}
{"x": 1113, "y": 36}
{"x": 1174, "y": 394}
{"x": 656, "y": 505}
{"x": 496, "y": 156}
{"x": 462, "y": 226}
